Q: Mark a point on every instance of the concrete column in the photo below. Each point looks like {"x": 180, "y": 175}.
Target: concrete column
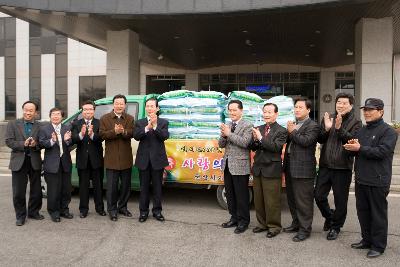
{"x": 326, "y": 87}
{"x": 192, "y": 81}
{"x": 48, "y": 93}
{"x": 122, "y": 63}
{"x": 396, "y": 85}
{"x": 373, "y": 61}
{"x": 2, "y": 90}
{"x": 22, "y": 64}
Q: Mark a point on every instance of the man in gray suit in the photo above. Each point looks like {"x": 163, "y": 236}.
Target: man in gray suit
{"x": 25, "y": 163}
{"x": 235, "y": 138}
{"x": 299, "y": 166}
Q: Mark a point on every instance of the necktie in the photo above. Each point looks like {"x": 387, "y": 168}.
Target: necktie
{"x": 234, "y": 124}
{"x": 267, "y": 128}
{"x": 59, "y": 139}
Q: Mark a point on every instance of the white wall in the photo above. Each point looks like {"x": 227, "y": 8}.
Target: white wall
{"x": 22, "y": 64}
{"x": 83, "y": 60}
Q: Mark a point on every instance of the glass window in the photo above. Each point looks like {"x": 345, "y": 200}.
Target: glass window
{"x": 35, "y": 66}
{"x": 62, "y": 102}
{"x": 10, "y": 102}
{"x": 61, "y": 65}
{"x": 91, "y": 88}
{"x": 10, "y": 28}
{"x": 61, "y": 48}
{"x": 48, "y": 45}
{"x": 34, "y": 30}
{"x": 34, "y": 50}
{"x": 61, "y": 85}
{"x": 10, "y": 67}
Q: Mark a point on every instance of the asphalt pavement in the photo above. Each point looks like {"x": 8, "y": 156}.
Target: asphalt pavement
{"x": 190, "y": 236}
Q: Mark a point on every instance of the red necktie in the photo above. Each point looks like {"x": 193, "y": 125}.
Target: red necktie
{"x": 267, "y": 128}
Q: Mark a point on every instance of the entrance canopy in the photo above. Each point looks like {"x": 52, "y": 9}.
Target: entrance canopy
{"x": 193, "y": 35}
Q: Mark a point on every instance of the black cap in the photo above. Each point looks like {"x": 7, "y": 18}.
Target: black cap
{"x": 373, "y": 103}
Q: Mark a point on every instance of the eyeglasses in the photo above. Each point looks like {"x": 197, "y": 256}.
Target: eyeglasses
{"x": 88, "y": 109}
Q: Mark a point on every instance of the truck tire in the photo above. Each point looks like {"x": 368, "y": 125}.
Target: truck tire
{"x": 221, "y": 196}
{"x": 43, "y": 185}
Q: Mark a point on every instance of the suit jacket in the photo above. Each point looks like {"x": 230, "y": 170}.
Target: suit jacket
{"x": 151, "y": 145}
{"x": 118, "y": 154}
{"x": 302, "y": 151}
{"x": 267, "y": 160}
{"x": 15, "y": 139}
{"x": 51, "y": 160}
{"x": 237, "y": 148}
{"x": 87, "y": 147}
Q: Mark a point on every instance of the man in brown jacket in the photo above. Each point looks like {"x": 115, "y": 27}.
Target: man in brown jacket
{"x": 116, "y": 128}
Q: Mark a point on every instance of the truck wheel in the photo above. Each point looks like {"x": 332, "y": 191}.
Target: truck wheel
{"x": 221, "y": 196}
{"x": 43, "y": 185}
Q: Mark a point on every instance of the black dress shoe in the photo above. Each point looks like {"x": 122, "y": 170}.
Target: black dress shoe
{"x": 272, "y": 234}
{"x": 229, "y": 224}
{"x": 259, "y": 230}
{"x": 102, "y": 213}
{"x": 360, "y": 245}
{"x": 113, "y": 217}
{"x": 36, "y": 216}
{"x": 333, "y": 234}
{"x": 67, "y": 215}
{"x": 291, "y": 229}
{"x": 327, "y": 225}
{"x": 83, "y": 215}
{"x": 143, "y": 218}
{"x": 159, "y": 217}
{"x": 300, "y": 237}
{"x": 56, "y": 219}
{"x": 20, "y": 222}
{"x": 373, "y": 253}
{"x": 126, "y": 213}
{"x": 240, "y": 229}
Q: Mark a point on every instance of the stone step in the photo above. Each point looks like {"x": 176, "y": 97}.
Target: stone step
{"x": 5, "y": 155}
{"x": 4, "y": 170}
{"x": 4, "y": 162}
{"x": 396, "y": 179}
{"x": 395, "y": 170}
{"x": 5, "y": 149}
{"x": 396, "y": 160}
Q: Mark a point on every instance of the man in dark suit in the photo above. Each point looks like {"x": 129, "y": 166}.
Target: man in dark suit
{"x": 268, "y": 141}
{"x": 116, "y": 128}
{"x": 236, "y": 138}
{"x": 299, "y": 166}
{"x": 25, "y": 163}
{"x": 57, "y": 165}
{"x": 89, "y": 159}
{"x": 151, "y": 158}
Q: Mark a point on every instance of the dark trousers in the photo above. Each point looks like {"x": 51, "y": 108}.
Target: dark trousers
{"x": 84, "y": 183}
{"x": 300, "y": 197}
{"x": 267, "y": 202}
{"x": 19, "y": 184}
{"x": 117, "y": 201}
{"x": 154, "y": 177}
{"x": 58, "y": 192}
{"x": 237, "y": 195}
{"x": 372, "y": 214}
{"x": 339, "y": 181}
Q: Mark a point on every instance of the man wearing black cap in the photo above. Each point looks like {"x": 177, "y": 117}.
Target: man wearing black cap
{"x": 374, "y": 148}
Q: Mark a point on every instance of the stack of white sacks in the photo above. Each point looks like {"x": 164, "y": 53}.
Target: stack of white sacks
{"x": 198, "y": 115}
{"x": 192, "y": 115}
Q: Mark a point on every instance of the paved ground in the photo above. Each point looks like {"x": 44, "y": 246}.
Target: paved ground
{"x": 191, "y": 236}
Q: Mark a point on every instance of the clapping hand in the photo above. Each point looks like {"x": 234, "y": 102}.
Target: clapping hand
{"x": 90, "y": 130}
{"x": 328, "y": 121}
{"x": 291, "y": 126}
{"x": 256, "y": 133}
{"x": 83, "y": 129}
{"x": 225, "y": 130}
{"x": 54, "y": 136}
{"x": 67, "y": 136}
{"x": 352, "y": 145}
{"x": 338, "y": 121}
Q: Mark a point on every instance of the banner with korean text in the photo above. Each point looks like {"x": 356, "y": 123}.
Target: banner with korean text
{"x": 194, "y": 161}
